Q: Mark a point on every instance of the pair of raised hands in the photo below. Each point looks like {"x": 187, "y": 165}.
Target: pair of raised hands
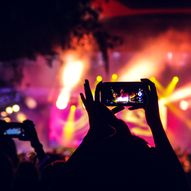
{"x": 102, "y": 119}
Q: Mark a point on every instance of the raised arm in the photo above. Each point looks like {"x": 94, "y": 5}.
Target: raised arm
{"x": 163, "y": 147}
{"x": 31, "y": 135}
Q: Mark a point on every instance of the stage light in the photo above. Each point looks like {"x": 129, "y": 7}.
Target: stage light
{"x": 158, "y": 86}
{"x": 179, "y": 94}
{"x": 184, "y": 105}
{"x": 114, "y": 77}
{"x": 9, "y": 110}
{"x": 72, "y": 73}
{"x": 171, "y": 86}
{"x": 31, "y": 103}
{"x": 73, "y": 108}
{"x": 170, "y": 55}
{"x": 99, "y": 78}
{"x": 68, "y": 129}
{"x": 175, "y": 79}
{"x": 15, "y": 108}
{"x": 21, "y": 117}
{"x": 138, "y": 68}
{"x": 63, "y": 99}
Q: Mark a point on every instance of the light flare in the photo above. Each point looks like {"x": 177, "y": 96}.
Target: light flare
{"x": 71, "y": 74}
{"x": 63, "y": 99}
{"x": 114, "y": 77}
{"x": 69, "y": 127}
{"x": 179, "y": 94}
{"x": 172, "y": 85}
{"x": 138, "y": 68}
{"x": 184, "y": 105}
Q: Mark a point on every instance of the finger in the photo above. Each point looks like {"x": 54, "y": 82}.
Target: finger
{"x": 117, "y": 109}
{"x": 88, "y": 92}
{"x": 151, "y": 88}
{"x": 97, "y": 92}
{"x": 83, "y": 99}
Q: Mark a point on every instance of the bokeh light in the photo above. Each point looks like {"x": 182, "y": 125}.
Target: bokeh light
{"x": 99, "y": 78}
{"x": 9, "y": 110}
{"x": 30, "y": 102}
{"x": 21, "y": 117}
{"x": 184, "y": 105}
{"x": 16, "y": 108}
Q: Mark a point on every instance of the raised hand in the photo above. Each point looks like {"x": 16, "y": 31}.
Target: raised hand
{"x": 151, "y": 106}
{"x": 103, "y": 122}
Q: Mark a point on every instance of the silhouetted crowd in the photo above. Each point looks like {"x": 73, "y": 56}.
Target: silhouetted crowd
{"x": 110, "y": 157}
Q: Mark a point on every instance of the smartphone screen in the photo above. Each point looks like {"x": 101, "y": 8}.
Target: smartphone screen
{"x": 123, "y": 93}
{"x": 13, "y": 131}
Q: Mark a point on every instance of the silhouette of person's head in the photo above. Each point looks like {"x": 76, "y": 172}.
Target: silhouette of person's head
{"x": 8, "y": 148}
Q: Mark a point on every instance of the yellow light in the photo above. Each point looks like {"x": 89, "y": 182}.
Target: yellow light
{"x": 7, "y": 119}
{"x": 175, "y": 79}
{"x": 15, "y": 108}
{"x": 179, "y": 94}
{"x": 99, "y": 78}
{"x": 73, "y": 108}
{"x": 153, "y": 79}
{"x": 114, "y": 77}
{"x": 69, "y": 127}
{"x": 21, "y": 117}
{"x": 9, "y": 110}
{"x": 158, "y": 85}
{"x": 171, "y": 86}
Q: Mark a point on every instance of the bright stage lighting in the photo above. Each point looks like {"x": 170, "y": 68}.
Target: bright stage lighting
{"x": 73, "y": 108}
{"x": 70, "y": 76}
{"x": 184, "y": 105}
{"x": 9, "y": 110}
{"x": 158, "y": 85}
{"x": 170, "y": 55}
{"x": 114, "y": 77}
{"x": 99, "y": 78}
{"x": 179, "y": 94}
{"x": 31, "y": 103}
{"x": 170, "y": 88}
{"x": 63, "y": 99}
{"x": 69, "y": 129}
{"x": 21, "y": 117}
{"x": 141, "y": 66}
{"x": 15, "y": 108}
{"x": 72, "y": 73}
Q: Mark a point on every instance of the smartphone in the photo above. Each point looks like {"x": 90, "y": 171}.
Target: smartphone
{"x": 123, "y": 94}
{"x": 12, "y": 129}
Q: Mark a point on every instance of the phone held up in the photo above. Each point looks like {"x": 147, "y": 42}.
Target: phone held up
{"x": 123, "y": 94}
{"x": 12, "y": 130}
